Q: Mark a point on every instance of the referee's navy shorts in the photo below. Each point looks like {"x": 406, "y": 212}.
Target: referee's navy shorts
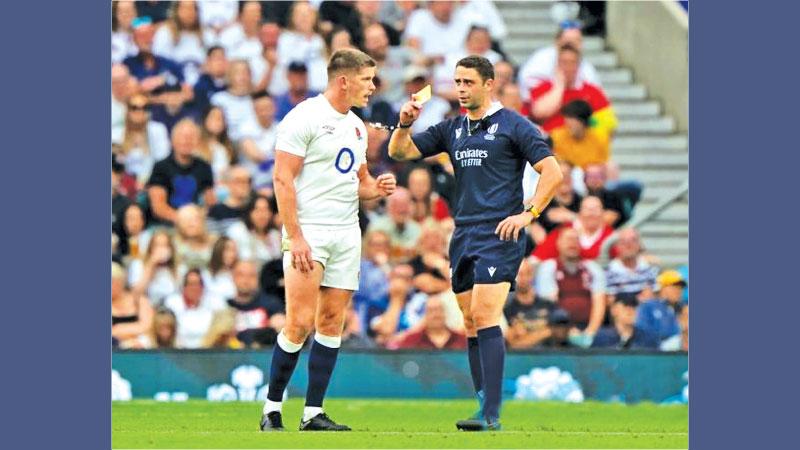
{"x": 478, "y": 256}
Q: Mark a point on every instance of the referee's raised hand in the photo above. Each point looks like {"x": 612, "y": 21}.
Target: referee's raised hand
{"x": 409, "y": 112}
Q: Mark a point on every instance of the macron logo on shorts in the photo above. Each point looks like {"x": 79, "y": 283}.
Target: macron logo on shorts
{"x": 491, "y": 271}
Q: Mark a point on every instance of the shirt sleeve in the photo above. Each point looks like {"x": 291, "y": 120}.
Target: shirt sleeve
{"x": 159, "y": 177}
{"x": 546, "y": 285}
{"x": 598, "y": 277}
{"x": 294, "y": 133}
{"x": 547, "y": 249}
{"x": 431, "y": 141}
{"x": 206, "y": 179}
{"x": 531, "y": 142}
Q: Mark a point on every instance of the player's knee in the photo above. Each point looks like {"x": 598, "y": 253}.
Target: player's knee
{"x": 329, "y": 322}
{"x": 298, "y": 327}
{"x": 483, "y": 319}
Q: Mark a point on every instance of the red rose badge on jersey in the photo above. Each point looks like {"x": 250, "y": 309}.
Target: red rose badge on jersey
{"x": 358, "y": 134}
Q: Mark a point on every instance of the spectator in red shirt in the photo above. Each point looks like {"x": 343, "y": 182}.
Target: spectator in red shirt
{"x": 433, "y": 334}
{"x": 592, "y": 231}
{"x": 550, "y": 96}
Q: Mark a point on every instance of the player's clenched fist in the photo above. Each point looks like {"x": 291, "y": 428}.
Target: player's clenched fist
{"x": 387, "y": 184}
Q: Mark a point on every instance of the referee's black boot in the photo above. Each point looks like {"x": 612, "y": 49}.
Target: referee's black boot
{"x": 272, "y": 421}
{"x": 321, "y": 422}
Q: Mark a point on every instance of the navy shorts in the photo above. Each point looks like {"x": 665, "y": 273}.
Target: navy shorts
{"x": 478, "y": 256}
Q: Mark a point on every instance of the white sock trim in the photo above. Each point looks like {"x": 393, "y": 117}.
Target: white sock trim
{"x": 270, "y": 406}
{"x": 328, "y": 341}
{"x": 310, "y": 411}
{"x": 287, "y": 345}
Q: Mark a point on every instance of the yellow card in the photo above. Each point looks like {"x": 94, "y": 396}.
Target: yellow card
{"x": 423, "y": 95}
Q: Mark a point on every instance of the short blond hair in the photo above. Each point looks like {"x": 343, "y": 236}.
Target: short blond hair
{"x": 348, "y": 59}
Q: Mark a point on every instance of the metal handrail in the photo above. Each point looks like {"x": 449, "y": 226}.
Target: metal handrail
{"x": 642, "y": 216}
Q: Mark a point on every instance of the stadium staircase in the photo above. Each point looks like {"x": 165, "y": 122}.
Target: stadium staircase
{"x": 647, "y": 145}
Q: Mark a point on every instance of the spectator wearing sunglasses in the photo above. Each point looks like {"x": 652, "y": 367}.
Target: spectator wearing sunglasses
{"x": 141, "y": 142}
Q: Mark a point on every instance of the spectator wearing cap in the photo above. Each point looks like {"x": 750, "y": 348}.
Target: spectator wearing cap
{"x": 435, "y": 110}
{"x": 550, "y": 96}
{"x": 575, "y": 284}
{"x": 541, "y": 65}
{"x": 297, "y": 76}
{"x": 301, "y": 42}
{"x": 154, "y": 73}
{"x": 181, "y": 178}
{"x": 671, "y": 286}
{"x": 631, "y": 272}
{"x": 194, "y": 309}
{"x": 528, "y": 316}
{"x": 558, "y": 329}
{"x": 257, "y": 150}
{"x": 142, "y": 141}
{"x": 625, "y": 333}
{"x": 577, "y": 141}
{"x": 478, "y": 42}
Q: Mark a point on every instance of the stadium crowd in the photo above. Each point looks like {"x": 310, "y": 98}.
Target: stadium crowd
{"x": 198, "y": 90}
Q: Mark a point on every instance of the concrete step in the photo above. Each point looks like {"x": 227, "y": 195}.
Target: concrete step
{"x": 616, "y": 76}
{"x": 512, "y": 6}
{"x": 603, "y": 60}
{"x": 629, "y": 161}
{"x": 676, "y": 213}
{"x": 524, "y": 20}
{"x": 646, "y": 151}
{"x": 673, "y": 261}
{"x": 658, "y": 125}
{"x": 637, "y": 109}
{"x": 656, "y": 229}
{"x": 626, "y": 92}
{"x": 529, "y": 41}
{"x": 654, "y": 192}
{"x": 666, "y": 245}
{"x": 672, "y": 142}
{"x": 655, "y": 177}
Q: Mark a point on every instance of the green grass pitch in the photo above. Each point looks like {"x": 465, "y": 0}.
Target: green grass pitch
{"x": 400, "y": 424}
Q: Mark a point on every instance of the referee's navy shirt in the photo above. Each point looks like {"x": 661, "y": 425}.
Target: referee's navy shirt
{"x": 488, "y": 162}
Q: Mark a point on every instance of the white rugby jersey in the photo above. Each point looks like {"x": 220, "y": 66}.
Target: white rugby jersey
{"x": 334, "y": 146}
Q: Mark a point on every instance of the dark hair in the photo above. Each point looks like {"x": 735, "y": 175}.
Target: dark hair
{"x": 213, "y": 49}
{"x": 569, "y": 48}
{"x": 252, "y": 205}
{"x": 475, "y": 28}
{"x": 482, "y": 65}
{"x": 328, "y": 38}
{"x": 348, "y": 59}
{"x": 196, "y": 271}
{"x": 223, "y": 137}
{"x": 578, "y": 109}
{"x": 122, "y": 232}
{"x": 260, "y": 94}
{"x": 216, "y": 263}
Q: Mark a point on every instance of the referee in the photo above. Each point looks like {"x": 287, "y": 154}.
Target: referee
{"x": 489, "y": 148}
